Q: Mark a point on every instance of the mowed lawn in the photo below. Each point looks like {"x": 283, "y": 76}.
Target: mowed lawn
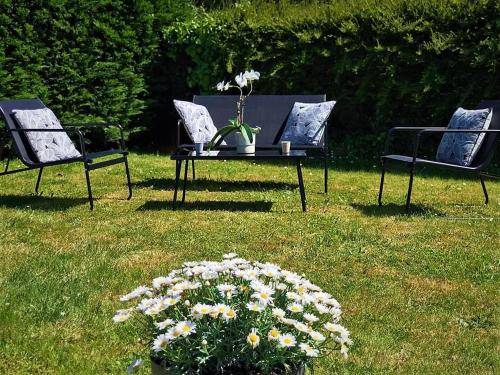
{"x": 419, "y": 290}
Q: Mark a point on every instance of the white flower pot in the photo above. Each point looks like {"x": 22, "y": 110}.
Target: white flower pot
{"x": 242, "y": 144}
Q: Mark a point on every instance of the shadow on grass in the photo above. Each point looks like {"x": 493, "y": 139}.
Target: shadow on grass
{"x": 257, "y": 206}
{"x": 34, "y": 202}
{"x": 393, "y": 209}
{"x": 203, "y": 184}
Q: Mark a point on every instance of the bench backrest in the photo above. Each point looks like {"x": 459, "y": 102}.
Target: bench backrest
{"x": 19, "y": 140}
{"x": 485, "y": 153}
{"x": 269, "y": 112}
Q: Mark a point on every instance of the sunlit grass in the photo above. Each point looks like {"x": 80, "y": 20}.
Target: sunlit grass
{"x": 419, "y": 290}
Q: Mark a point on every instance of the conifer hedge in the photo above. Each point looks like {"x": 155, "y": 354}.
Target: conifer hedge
{"x": 384, "y": 61}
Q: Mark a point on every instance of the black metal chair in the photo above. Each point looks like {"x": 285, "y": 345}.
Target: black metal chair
{"x": 24, "y": 151}
{"x": 269, "y": 112}
{"x": 478, "y": 166}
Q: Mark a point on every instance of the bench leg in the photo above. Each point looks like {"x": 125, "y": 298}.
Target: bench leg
{"x": 485, "y": 192}
{"x": 301, "y": 186}
{"x": 186, "y": 167}
{"x": 178, "y": 165}
{"x": 38, "y": 180}
{"x": 194, "y": 173}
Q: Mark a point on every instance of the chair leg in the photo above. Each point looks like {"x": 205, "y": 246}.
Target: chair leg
{"x": 7, "y": 165}
{"x": 381, "y": 189}
{"x": 326, "y": 171}
{"x": 410, "y": 187}
{"x": 38, "y": 180}
{"x": 89, "y": 189}
{"x": 485, "y": 192}
{"x": 194, "y": 173}
{"x": 129, "y": 183}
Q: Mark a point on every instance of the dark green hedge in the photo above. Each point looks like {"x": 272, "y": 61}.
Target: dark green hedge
{"x": 402, "y": 61}
{"x": 410, "y": 61}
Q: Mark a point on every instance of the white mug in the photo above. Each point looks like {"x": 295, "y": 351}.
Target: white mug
{"x": 285, "y": 147}
{"x": 198, "y": 147}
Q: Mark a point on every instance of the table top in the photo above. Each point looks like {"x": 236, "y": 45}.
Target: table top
{"x": 233, "y": 155}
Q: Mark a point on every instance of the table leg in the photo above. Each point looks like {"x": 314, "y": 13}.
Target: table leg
{"x": 178, "y": 165}
{"x": 301, "y": 186}
{"x": 186, "y": 167}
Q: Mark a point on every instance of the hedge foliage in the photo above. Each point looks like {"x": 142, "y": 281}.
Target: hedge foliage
{"x": 409, "y": 61}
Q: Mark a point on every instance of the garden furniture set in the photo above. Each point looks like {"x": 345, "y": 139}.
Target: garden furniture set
{"x": 39, "y": 140}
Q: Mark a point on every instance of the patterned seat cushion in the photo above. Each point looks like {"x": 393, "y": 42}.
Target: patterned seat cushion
{"x": 197, "y": 121}
{"x": 48, "y": 146}
{"x": 461, "y": 148}
{"x": 306, "y": 123}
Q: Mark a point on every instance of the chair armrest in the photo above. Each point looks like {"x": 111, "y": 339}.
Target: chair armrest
{"x": 100, "y": 125}
{"x": 426, "y": 131}
{"x": 81, "y": 139}
{"x": 405, "y": 129}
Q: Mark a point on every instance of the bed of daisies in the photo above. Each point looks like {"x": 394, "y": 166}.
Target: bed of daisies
{"x": 210, "y": 317}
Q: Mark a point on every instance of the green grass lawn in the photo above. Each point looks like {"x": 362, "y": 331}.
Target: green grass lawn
{"x": 419, "y": 291}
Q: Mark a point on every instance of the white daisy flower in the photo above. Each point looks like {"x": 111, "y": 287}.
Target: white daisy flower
{"x": 295, "y": 308}
{"x": 317, "y": 336}
{"x": 310, "y": 317}
{"x": 287, "y": 340}
{"x": 161, "y": 281}
{"x": 161, "y": 342}
{"x": 322, "y": 309}
{"x": 186, "y": 328}
{"x": 173, "y": 333}
{"x": 220, "y": 308}
{"x": 264, "y": 297}
{"x": 273, "y": 334}
{"x": 164, "y": 324}
{"x": 137, "y": 292}
{"x": 255, "y": 306}
{"x": 309, "y": 350}
{"x": 122, "y": 315}
{"x": 230, "y": 256}
{"x": 229, "y": 314}
{"x": 279, "y": 313}
{"x": 299, "y": 326}
{"x": 253, "y": 338}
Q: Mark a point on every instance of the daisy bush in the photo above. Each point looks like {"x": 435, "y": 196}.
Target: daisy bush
{"x": 236, "y": 315}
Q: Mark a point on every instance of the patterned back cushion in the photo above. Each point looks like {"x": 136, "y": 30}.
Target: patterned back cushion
{"x": 197, "y": 121}
{"x": 461, "y": 148}
{"x": 306, "y": 123}
{"x": 48, "y": 146}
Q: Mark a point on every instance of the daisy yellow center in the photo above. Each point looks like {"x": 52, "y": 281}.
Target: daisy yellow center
{"x": 186, "y": 328}
{"x": 295, "y": 309}
{"x": 204, "y": 310}
{"x": 231, "y": 313}
{"x": 176, "y": 333}
{"x": 264, "y": 296}
{"x": 253, "y": 337}
{"x": 287, "y": 340}
{"x": 274, "y": 333}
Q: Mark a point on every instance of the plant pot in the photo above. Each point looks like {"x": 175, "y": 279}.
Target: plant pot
{"x": 243, "y": 146}
{"x": 158, "y": 369}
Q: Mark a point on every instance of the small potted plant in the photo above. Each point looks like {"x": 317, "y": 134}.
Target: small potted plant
{"x": 235, "y": 317}
{"x": 244, "y": 134}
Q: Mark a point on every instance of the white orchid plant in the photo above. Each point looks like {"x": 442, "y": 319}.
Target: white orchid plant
{"x": 235, "y": 316}
{"x": 242, "y": 81}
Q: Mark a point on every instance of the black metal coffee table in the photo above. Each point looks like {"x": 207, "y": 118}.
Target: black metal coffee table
{"x": 186, "y": 156}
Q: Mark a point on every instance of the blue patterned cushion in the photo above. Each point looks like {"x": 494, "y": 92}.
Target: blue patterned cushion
{"x": 48, "y": 146}
{"x": 461, "y": 148}
{"x": 197, "y": 121}
{"x": 306, "y": 123}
